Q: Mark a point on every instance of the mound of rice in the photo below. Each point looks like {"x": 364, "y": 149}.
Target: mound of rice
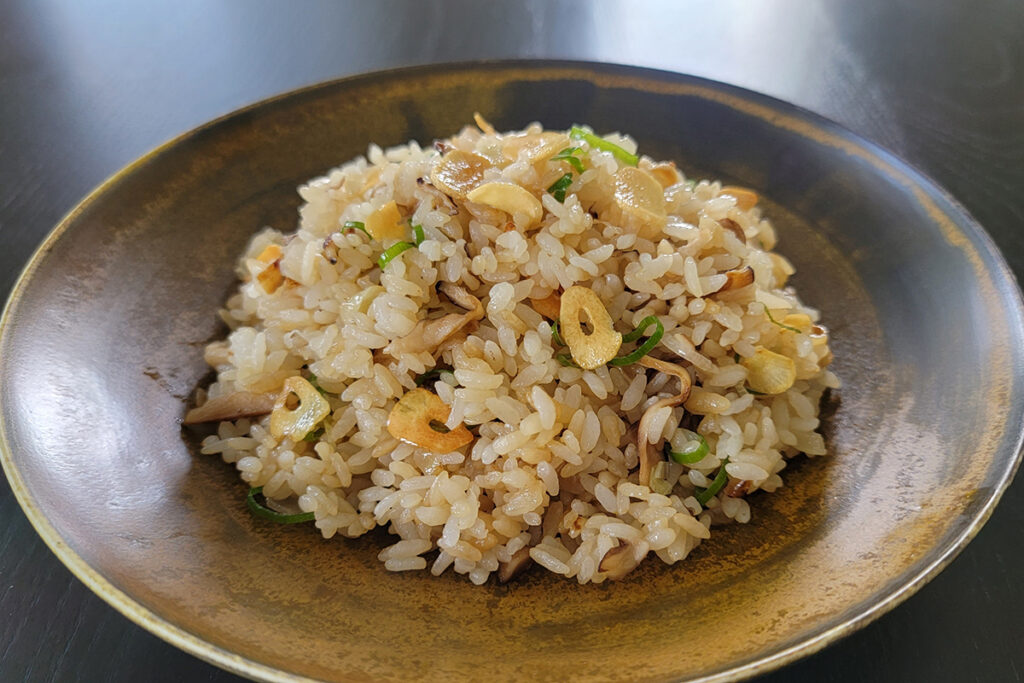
{"x": 551, "y": 473}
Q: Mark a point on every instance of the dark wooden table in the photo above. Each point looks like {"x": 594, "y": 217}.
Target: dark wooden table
{"x": 87, "y": 87}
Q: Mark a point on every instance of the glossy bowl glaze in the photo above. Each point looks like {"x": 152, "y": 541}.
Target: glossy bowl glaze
{"x": 102, "y": 340}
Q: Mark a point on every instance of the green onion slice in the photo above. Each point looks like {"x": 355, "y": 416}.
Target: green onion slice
{"x": 356, "y": 225}
{"x": 391, "y": 252}
{"x": 316, "y": 385}
{"x": 644, "y": 348}
{"x": 704, "y": 495}
{"x": 569, "y": 155}
{"x": 755, "y": 393}
{"x": 417, "y": 230}
{"x": 782, "y": 325}
{"x": 556, "y": 334}
{"x": 691, "y": 447}
{"x": 260, "y": 510}
{"x": 558, "y": 188}
{"x": 566, "y": 360}
{"x": 314, "y": 435}
{"x": 432, "y": 376}
{"x": 577, "y": 133}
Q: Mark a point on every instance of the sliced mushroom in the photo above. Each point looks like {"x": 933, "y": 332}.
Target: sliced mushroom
{"x": 621, "y": 560}
{"x": 647, "y": 458}
{"x": 231, "y": 407}
{"x": 733, "y": 227}
{"x": 429, "y": 335}
{"x": 641, "y": 201}
{"x": 737, "y": 488}
{"x": 519, "y": 561}
{"x": 737, "y": 279}
{"x": 458, "y": 172}
{"x": 419, "y": 418}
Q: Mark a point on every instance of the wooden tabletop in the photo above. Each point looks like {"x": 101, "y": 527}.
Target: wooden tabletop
{"x": 87, "y": 87}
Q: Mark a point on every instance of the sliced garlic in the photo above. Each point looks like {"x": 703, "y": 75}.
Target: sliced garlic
{"x": 588, "y": 350}
{"x": 510, "y": 198}
{"x": 419, "y": 418}
{"x": 769, "y": 372}
{"x": 459, "y": 172}
{"x": 737, "y": 279}
{"x": 299, "y": 421}
{"x": 745, "y": 199}
{"x": 270, "y": 278}
{"x": 666, "y": 174}
{"x": 641, "y": 200}
{"x": 533, "y": 147}
{"x": 386, "y": 223}
{"x": 549, "y": 307}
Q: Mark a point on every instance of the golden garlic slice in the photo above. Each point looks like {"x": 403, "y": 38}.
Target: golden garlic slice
{"x": 386, "y": 223}
{"x": 419, "y": 418}
{"x": 641, "y": 200}
{"x": 588, "y": 350}
{"x": 299, "y": 421}
{"x": 459, "y": 172}
{"x": 510, "y": 198}
{"x": 745, "y": 199}
{"x": 769, "y": 372}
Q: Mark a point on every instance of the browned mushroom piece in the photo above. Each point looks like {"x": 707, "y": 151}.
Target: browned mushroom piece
{"x": 620, "y": 560}
{"x": 737, "y": 279}
{"x": 231, "y": 407}
{"x": 643, "y": 445}
{"x": 519, "y": 561}
{"x": 428, "y": 335}
{"x": 733, "y": 227}
{"x": 737, "y": 488}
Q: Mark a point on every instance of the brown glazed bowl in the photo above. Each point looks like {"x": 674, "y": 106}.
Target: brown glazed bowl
{"x": 102, "y": 342}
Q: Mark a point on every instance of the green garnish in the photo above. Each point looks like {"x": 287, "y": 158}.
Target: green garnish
{"x": 569, "y": 155}
{"x": 566, "y": 360}
{"x": 755, "y": 393}
{"x": 558, "y": 188}
{"x": 704, "y": 495}
{"x": 695, "y": 450}
{"x": 577, "y": 133}
{"x": 432, "y": 376}
{"x": 316, "y": 385}
{"x": 356, "y": 225}
{"x": 691, "y": 184}
{"x": 556, "y": 335}
{"x": 783, "y": 326}
{"x": 417, "y": 230}
{"x": 314, "y": 435}
{"x": 644, "y": 348}
{"x": 391, "y": 252}
{"x": 261, "y": 510}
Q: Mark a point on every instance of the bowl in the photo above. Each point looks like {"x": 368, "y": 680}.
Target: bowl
{"x": 101, "y": 347}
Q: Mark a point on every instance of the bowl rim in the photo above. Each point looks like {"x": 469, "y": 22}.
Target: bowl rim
{"x": 757, "y": 104}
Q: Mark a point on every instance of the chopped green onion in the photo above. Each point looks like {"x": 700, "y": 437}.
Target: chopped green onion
{"x": 391, "y": 252}
{"x": 263, "y": 511}
{"x": 783, "y": 326}
{"x": 644, "y": 348}
{"x": 566, "y": 360}
{"x": 755, "y": 393}
{"x": 556, "y": 335}
{"x": 558, "y": 188}
{"x": 735, "y": 358}
{"x": 694, "y": 451}
{"x": 691, "y": 184}
{"x": 569, "y": 155}
{"x": 417, "y": 230}
{"x": 316, "y": 385}
{"x": 704, "y": 495}
{"x": 314, "y": 435}
{"x": 356, "y": 225}
{"x": 432, "y": 376}
{"x": 577, "y": 133}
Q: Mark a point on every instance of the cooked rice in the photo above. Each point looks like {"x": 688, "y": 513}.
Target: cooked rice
{"x": 553, "y": 465}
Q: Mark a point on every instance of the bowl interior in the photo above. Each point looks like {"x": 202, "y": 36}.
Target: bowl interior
{"x": 102, "y": 347}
